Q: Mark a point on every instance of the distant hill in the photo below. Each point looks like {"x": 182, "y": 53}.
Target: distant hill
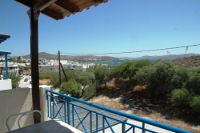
{"x": 106, "y": 58}
{"x": 165, "y": 57}
{"x": 69, "y": 57}
{"x": 42, "y": 55}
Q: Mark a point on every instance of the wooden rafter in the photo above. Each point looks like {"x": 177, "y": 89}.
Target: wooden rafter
{"x": 67, "y": 6}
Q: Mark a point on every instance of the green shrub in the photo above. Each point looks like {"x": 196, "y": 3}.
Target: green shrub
{"x": 15, "y": 79}
{"x": 128, "y": 69}
{"x": 157, "y": 77}
{"x": 180, "y": 77}
{"x": 195, "y": 103}
{"x": 102, "y": 74}
{"x": 70, "y": 74}
{"x": 193, "y": 83}
{"x": 71, "y": 87}
{"x": 89, "y": 91}
{"x": 46, "y": 75}
{"x": 54, "y": 80}
{"x": 180, "y": 96}
{"x": 84, "y": 78}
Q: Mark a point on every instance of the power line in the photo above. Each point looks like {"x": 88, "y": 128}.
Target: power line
{"x": 136, "y": 51}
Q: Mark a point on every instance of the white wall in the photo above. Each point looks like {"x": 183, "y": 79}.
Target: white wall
{"x": 5, "y": 84}
{"x": 14, "y": 101}
{"x": 43, "y": 103}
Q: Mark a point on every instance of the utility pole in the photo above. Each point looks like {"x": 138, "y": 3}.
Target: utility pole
{"x": 59, "y": 66}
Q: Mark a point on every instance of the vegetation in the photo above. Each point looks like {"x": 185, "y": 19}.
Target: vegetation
{"x": 129, "y": 68}
{"x": 85, "y": 78}
{"x": 102, "y": 74}
{"x": 193, "y": 82}
{"x": 46, "y": 75}
{"x": 90, "y": 91}
{"x": 195, "y": 104}
{"x": 71, "y": 87}
{"x": 162, "y": 80}
{"x": 157, "y": 77}
{"x": 181, "y": 97}
{"x": 15, "y": 78}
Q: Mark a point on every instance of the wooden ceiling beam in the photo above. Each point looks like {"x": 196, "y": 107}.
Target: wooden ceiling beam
{"x": 52, "y": 14}
{"x": 67, "y": 6}
{"x": 99, "y": 1}
{"x": 43, "y": 4}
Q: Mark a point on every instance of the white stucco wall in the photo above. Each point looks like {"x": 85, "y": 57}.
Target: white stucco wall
{"x": 14, "y": 101}
{"x": 43, "y": 103}
{"x": 5, "y": 84}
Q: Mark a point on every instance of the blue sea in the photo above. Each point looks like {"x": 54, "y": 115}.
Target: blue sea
{"x": 113, "y": 62}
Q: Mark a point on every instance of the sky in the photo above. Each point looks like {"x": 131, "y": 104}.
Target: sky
{"x": 118, "y": 26}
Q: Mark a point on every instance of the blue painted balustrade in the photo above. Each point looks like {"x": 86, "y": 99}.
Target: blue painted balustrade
{"x": 92, "y": 118}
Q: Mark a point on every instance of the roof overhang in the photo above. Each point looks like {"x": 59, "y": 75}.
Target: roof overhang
{"x": 59, "y": 9}
{"x": 3, "y": 37}
{"x": 4, "y": 53}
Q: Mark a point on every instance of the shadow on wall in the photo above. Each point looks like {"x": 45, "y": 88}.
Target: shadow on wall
{"x": 14, "y": 101}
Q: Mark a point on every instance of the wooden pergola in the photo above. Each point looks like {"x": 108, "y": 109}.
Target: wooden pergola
{"x": 56, "y": 9}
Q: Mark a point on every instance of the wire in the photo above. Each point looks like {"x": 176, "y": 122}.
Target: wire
{"x": 137, "y": 50}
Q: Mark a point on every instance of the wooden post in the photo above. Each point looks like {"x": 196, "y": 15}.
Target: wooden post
{"x": 34, "y": 61}
{"x": 59, "y": 66}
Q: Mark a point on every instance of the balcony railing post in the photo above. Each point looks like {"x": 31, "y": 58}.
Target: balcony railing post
{"x": 68, "y": 111}
{"x": 53, "y": 112}
{"x": 65, "y": 116}
{"x": 103, "y": 124}
{"x": 73, "y": 115}
{"x": 97, "y": 123}
{"x": 123, "y": 127}
{"x": 90, "y": 122}
{"x": 143, "y": 127}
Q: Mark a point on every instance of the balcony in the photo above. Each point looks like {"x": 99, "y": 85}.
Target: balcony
{"x": 84, "y": 116}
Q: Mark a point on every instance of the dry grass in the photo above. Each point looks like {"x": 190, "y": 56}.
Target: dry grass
{"x": 156, "y": 116}
{"x": 44, "y": 81}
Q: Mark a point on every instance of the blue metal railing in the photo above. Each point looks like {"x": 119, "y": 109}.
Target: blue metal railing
{"x": 89, "y": 117}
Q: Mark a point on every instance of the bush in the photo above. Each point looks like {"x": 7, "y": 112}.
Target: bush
{"x": 193, "y": 83}
{"x": 129, "y": 68}
{"x": 47, "y": 75}
{"x": 195, "y": 104}
{"x": 84, "y": 78}
{"x": 180, "y": 97}
{"x": 71, "y": 87}
{"x": 54, "y": 80}
{"x": 180, "y": 77}
{"x": 15, "y": 79}
{"x": 157, "y": 77}
{"x": 89, "y": 91}
{"x": 102, "y": 74}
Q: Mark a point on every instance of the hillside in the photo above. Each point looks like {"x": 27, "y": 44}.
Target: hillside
{"x": 165, "y": 57}
{"x": 192, "y": 61}
{"x": 86, "y": 58}
{"x": 69, "y": 57}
